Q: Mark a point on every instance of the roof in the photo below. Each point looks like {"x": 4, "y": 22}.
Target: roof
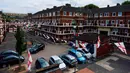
{"x": 119, "y": 8}
{"x": 88, "y": 37}
{"x": 55, "y": 57}
{"x": 70, "y": 56}
{"x": 61, "y": 8}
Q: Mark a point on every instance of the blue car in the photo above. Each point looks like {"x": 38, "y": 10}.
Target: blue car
{"x": 80, "y": 58}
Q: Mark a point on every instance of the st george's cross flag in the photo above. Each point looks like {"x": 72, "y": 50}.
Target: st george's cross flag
{"x": 29, "y": 61}
{"x": 98, "y": 42}
{"x": 83, "y": 44}
{"x": 121, "y": 46}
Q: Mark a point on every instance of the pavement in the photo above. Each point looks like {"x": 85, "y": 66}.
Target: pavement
{"x": 115, "y": 63}
{"x": 8, "y": 43}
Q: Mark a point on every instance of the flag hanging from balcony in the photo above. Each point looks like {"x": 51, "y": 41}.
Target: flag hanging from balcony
{"x": 29, "y": 61}
{"x": 121, "y": 46}
{"x": 98, "y": 42}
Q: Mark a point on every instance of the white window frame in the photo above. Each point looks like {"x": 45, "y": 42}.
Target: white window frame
{"x": 101, "y": 14}
{"x": 117, "y": 21}
{"x": 113, "y": 14}
{"x": 96, "y": 15}
{"x": 58, "y": 13}
{"x": 50, "y": 14}
{"x": 54, "y": 13}
{"x": 128, "y": 21}
{"x": 70, "y": 13}
{"x": 112, "y": 21}
{"x": 119, "y": 13}
{"x": 106, "y": 14}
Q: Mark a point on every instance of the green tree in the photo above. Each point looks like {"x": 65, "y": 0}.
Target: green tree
{"x": 20, "y": 43}
{"x": 90, "y": 6}
{"x": 126, "y": 3}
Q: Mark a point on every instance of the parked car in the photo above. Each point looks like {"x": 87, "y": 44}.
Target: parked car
{"x": 7, "y": 53}
{"x": 36, "y": 48}
{"x": 41, "y": 63}
{"x": 57, "y": 60}
{"x": 69, "y": 60}
{"x": 80, "y": 58}
{"x": 10, "y": 60}
{"x": 87, "y": 55}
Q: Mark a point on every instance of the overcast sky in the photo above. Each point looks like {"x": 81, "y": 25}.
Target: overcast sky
{"x": 32, "y": 6}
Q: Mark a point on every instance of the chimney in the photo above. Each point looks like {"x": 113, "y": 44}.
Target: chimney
{"x": 108, "y": 6}
{"x": 118, "y": 4}
{"x": 47, "y": 8}
{"x": 54, "y": 6}
{"x": 68, "y": 5}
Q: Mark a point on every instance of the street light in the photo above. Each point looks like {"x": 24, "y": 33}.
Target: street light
{"x": 74, "y": 29}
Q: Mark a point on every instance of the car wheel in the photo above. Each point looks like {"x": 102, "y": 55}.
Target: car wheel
{"x": 4, "y": 65}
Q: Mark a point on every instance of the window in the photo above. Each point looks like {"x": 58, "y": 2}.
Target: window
{"x": 53, "y": 13}
{"x": 101, "y": 15}
{"x": 113, "y": 22}
{"x": 96, "y": 15}
{"x": 58, "y": 13}
{"x": 119, "y": 13}
{"x": 121, "y": 21}
{"x": 46, "y": 14}
{"x": 116, "y": 21}
{"x": 106, "y": 14}
{"x": 113, "y": 13}
{"x": 50, "y": 14}
{"x": 64, "y": 13}
{"x": 128, "y": 21}
{"x": 70, "y": 13}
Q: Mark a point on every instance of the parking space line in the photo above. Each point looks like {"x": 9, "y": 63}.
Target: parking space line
{"x": 121, "y": 55}
{"x": 106, "y": 65}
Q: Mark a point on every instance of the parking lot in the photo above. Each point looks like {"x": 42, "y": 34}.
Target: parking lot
{"x": 116, "y": 63}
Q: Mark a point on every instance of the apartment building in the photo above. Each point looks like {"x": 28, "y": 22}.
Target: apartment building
{"x": 112, "y": 21}
{"x": 57, "y": 21}
{"x": 2, "y": 29}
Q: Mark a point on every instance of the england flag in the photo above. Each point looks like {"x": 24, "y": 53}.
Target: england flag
{"x": 29, "y": 61}
{"x": 121, "y": 46}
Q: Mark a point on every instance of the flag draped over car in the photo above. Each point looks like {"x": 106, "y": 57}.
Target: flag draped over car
{"x": 98, "y": 42}
{"x": 29, "y": 61}
{"x": 121, "y": 46}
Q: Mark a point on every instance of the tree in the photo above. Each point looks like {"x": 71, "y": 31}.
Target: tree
{"x": 20, "y": 44}
{"x": 90, "y": 6}
{"x": 126, "y": 3}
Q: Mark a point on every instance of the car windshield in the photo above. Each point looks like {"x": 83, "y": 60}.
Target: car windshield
{"x": 43, "y": 63}
{"x": 59, "y": 61}
{"x": 73, "y": 60}
{"x": 79, "y": 54}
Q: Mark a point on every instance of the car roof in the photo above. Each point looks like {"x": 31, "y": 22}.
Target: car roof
{"x": 70, "y": 56}
{"x": 55, "y": 57}
{"x": 8, "y": 51}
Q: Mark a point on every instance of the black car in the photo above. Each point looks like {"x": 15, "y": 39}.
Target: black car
{"x": 36, "y": 48}
{"x": 41, "y": 63}
{"x": 7, "y": 53}
{"x": 10, "y": 60}
{"x": 69, "y": 60}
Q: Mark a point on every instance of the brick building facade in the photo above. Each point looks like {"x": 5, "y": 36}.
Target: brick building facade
{"x": 111, "y": 21}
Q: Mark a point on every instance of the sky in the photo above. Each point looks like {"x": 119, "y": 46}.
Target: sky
{"x": 33, "y": 6}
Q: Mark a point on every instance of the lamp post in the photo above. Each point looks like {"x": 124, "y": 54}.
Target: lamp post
{"x": 75, "y": 32}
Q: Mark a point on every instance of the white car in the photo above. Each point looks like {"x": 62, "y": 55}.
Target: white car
{"x": 57, "y": 60}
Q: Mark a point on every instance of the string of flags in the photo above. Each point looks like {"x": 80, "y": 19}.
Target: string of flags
{"x": 83, "y": 45}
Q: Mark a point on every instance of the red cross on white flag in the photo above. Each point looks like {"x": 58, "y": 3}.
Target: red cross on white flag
{"x": 121, "y": 46}
{"x": 29, "y": 60}
{"x": 98, "y": 42}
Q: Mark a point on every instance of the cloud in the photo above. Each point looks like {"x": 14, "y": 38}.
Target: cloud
{"x": 26, "y": 6}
